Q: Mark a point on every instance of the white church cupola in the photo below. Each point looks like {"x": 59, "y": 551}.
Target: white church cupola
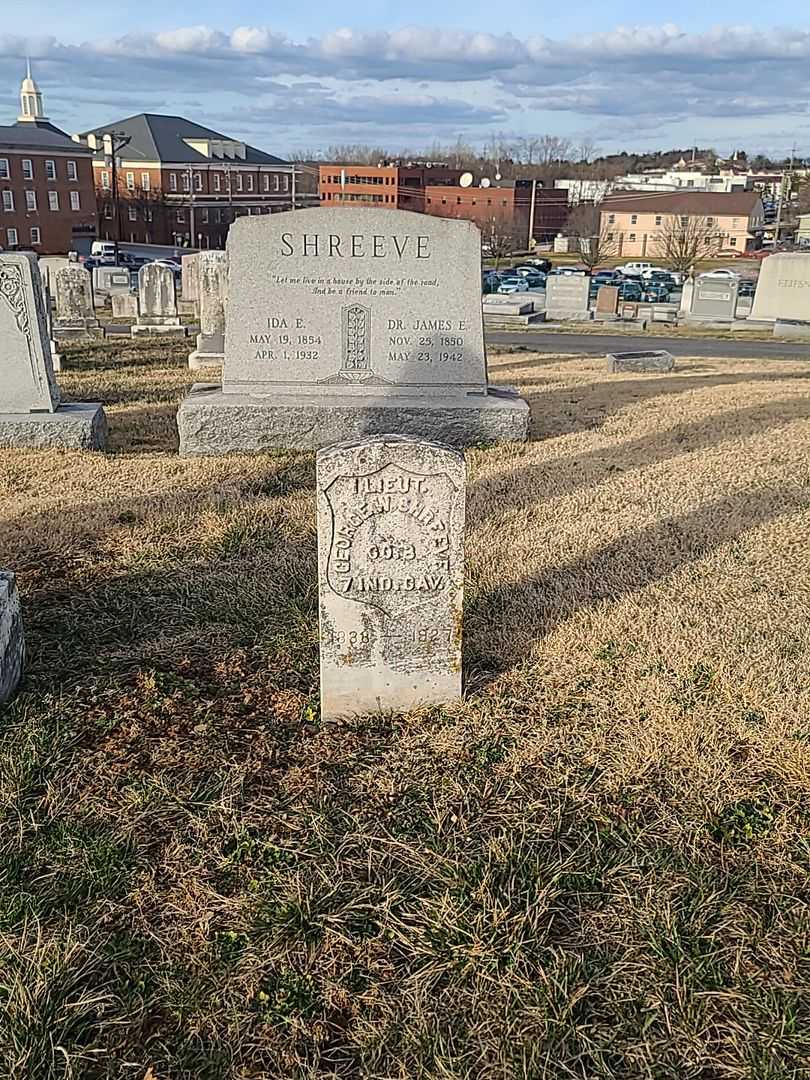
{"x": 31, "y": 109}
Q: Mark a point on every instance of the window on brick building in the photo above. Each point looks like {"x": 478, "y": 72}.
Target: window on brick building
{"x": 28, "y": 169}
{"x": 186, "y": 181}
{"x": 146, "y": 182}
{"x": 266, "y": 182}
{"x": 4, "y": 173}
{"x": 30, "y": 200}
{"x": 147, "y": 215}
{"x": 72, "y": 171}
{"x": 105, "y": 181}
{"x": 133, "y": 213}
{"x": 75, "y": 200}
{"x": 130, "y": 181}
{"x": 53, "y": 200}
{"x": 198, "y": 181}
{"x": 634, "y": 219}
{"x": 657, "y": 219}
{"x": 238, "y": 181}
{"x": 35, "y": 234}
{"x": 12, "y": 237}
{"x": 250, "y": 183}
{"x": 205, "y": 215}
{"x": 50, "y": 170}
{"x": 173, "y": 181}
{"x": 181, "y": 217}
{"x": 217, "y": 182}
{"x": 108, "y": 211}
{"x": 8, "y": 201}
{"x": 286, "y": 182}
{"x": 276, "y": 182}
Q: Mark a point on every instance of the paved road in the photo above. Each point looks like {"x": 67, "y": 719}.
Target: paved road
{"x": 599, "y": 344}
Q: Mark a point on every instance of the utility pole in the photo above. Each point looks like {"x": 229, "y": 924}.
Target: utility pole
{"x": 531, "y": 213}
{"x": 786, "y": 182}
{"x": 118, "y": 140}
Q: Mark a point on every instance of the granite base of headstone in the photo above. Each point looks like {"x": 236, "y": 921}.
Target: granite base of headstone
{"x": 211, "y": 282}
{"x": 75, "y": 308}
{"x": 30, "y": 411}
{"x": 342, "y": 323}
{"x": 157, "y": 303}
{"x": 652, "y": 361}
{"x": 792, "y": 329}
{"x": 12, "y": 639}
{"x": 390, "y": 575}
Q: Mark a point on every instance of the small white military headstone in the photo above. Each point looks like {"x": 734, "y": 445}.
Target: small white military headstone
{"x": 212, "y": 283}
{"x": 12, "y": 641}
{"x": 75, "y": 312}
{"x": 347, "y": 322}
{"x": 30, "y": 410}
{"x": 391, "y": 574}
{"x": 157, "y": 302}
{"x": 783, "y": 288}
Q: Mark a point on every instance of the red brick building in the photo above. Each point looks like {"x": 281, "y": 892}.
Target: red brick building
{"x": 47, "y": 196}
{"x": 182, "y": 184}
{"x": 433, "y": 188}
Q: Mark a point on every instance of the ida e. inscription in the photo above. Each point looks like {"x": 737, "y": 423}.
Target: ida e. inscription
{"x": 391, "y": 574}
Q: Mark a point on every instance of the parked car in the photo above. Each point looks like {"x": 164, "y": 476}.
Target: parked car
{"x": 490, "y": 280}
{"x": 567, "y": 271}
{"x": 655, "y": 292}
{"x": 538, "y": 264}
{"x": 729, "y": 275}
{"x": 606, "y": 277}
{"x": 104, "y": 251}
{"x": 535, "y": 279}
{"x": 634, "y": 269}
{"x": 747, "y": 288}
{"x": 513, "y": 285}
{"x": 632, "y": 291}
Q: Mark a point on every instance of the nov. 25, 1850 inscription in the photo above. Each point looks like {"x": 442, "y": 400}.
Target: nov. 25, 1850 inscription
{"x": 378, "y": 301}
{"x": 391, "y": 574}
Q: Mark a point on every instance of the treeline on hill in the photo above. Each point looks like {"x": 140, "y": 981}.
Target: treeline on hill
{"x": 546, "y": 157}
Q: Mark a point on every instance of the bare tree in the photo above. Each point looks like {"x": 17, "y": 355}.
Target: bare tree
{"x": 595, "y": 242}
{"x": 685, "y": 240}
{"x": 498, "y": 234}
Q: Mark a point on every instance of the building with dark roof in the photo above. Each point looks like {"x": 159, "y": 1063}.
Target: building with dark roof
{"x": 641, "y": 224}
{"x": 47, "y": 193}
{"x": 180, "y": 183}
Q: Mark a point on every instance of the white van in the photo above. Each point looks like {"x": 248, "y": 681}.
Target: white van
{"x": 104, "y": 250}
{"x": 634, "y": 269}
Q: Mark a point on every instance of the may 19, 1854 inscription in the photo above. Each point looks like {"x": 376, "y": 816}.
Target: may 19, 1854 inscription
{"x": 391, "y": 574}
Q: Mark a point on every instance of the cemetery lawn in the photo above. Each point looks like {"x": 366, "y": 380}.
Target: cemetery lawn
{"x": 597, "y": 866}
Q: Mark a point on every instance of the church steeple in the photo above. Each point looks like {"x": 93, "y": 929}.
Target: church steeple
{"x": 31, "y": 110}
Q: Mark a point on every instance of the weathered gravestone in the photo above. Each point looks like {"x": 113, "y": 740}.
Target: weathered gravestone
{"x": 607, "y": 302}
{"x": 567, "y": 297}
{"x": 391, "y": 574}
{"x": 349, "y": 322}
{"x": 124, "y": 305}
{"x": 783, "y": 288}
{"x": 714, "y": 299}
{"x": 157, "y": 302}
{"x": 110, "y": 279}
{"x": 189, "y": 280}
{"x": 75, "y": 311}
{"x": 30, "y": 412}
{"x": 47, "y": 300}
{"x": 212, "y": 282}
{"x": 650, "y": 360}
{"x": 12, "y": 641}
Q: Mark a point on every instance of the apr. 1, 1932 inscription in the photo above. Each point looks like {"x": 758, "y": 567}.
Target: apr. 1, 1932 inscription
{"x": 391, "y": 573}
{"x": 362, "y": 301}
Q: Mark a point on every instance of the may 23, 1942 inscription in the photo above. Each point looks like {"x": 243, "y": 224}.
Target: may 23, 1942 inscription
{"x": 371, "y": 301}
{"x": 391, "y": 574}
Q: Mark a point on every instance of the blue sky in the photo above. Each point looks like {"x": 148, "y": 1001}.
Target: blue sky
{"x": 404, "y": 76}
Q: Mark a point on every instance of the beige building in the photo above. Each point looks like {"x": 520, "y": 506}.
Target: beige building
{"x": 635, "y": 224}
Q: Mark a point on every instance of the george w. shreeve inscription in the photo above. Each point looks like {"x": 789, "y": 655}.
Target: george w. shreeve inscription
{"x": 391, "y": 572}
{"x": 354, "y": 296}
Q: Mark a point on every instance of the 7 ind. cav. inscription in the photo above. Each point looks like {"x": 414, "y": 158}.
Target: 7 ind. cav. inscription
{"x": 390, "y": 544}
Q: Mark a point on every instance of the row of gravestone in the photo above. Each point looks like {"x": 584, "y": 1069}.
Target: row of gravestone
{"x": 390, "y": 516}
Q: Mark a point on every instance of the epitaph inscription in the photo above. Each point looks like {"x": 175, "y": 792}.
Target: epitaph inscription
{"x": 317, "y": 294}
{"x": 27, "y": 382}
{"x": 390, "y": 540}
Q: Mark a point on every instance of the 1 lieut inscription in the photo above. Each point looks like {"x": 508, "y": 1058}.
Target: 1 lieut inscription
{"x": 391, "y": 574}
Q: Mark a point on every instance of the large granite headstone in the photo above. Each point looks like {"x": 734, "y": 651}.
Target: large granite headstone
{"x": 212, "y": 283}
{"x": 349, "y": 322}
{"x": 390, "y": 574}
{"x": 714, "y": 299}
{"x": 157, "y": 302}
{"x": 12, "y": 640}
{"x": 568, "y": 296}
{"x": 783, "y": 288}
{"x": 75, "y": 310}
{"x": 30, "y": 411}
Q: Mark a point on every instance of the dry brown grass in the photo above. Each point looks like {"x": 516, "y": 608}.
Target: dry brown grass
{"x": 594, "y": 867}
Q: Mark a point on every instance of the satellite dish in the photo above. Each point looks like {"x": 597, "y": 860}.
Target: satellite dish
{"x": 486, "y": 182}
{"x": 466, "y": 179}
